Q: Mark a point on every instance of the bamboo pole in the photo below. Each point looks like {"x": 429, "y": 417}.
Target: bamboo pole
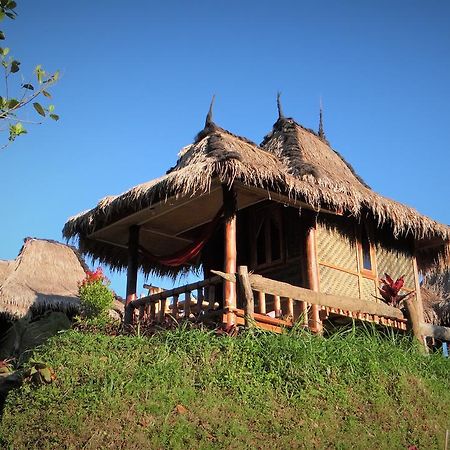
{"x": 132, "y": 272}
{"x": 187, "y": 305}
{"x": 229, "y": 289}
{"x": 277, "y": 305}
{"x": 313, "y": 277}
{"x": 199, "y": 300}
{"x": 175, "y": 306}
{"x": 261, "y": 302}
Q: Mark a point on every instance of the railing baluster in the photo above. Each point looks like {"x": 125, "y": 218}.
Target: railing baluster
{"x": 162, "y": 311}
{"x": 290, "y": 305}
{"x": 199, "y": 300}
{"x": 304, "y": 312}
{"x": 175, "y": 306}
{"x": 277, "y": 305}
{"x": 187, "y": 304}
{"x": 211, "y": 296}
{"x": 261, "y": 302}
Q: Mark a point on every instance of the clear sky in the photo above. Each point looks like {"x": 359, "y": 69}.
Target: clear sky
{"x": 137, "y": 79}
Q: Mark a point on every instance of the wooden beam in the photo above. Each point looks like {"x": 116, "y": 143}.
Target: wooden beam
{"x": 313, "y": 277}
{"x": 273, "y": 287}
{"x": 247, "y": 293}
{"x": 229, "y": 289}
{"x": 435, "y": 331}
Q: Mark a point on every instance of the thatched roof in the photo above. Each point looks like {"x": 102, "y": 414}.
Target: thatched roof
{"x": 437, "y": 293}
{"x": 291, "y": 161}
{"x": 44, "y": 275}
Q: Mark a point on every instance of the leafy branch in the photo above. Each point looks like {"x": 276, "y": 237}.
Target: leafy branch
{"x": 11, "y": 106}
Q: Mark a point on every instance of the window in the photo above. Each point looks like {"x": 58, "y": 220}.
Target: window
{"x": 366, "y": 256}
{"x": 266, "y": 235}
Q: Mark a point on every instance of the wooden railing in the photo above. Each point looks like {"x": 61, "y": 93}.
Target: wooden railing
{"x": 182, "y": 302}
{"x": 290, "y": 304}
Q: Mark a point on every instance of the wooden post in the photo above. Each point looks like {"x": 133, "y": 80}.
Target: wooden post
{"x": 211, "y": 296}
{"x": 132, "y": 271}
{"x": 290, "y": 306}
{"x": 229, "y": 289}
{"x": 175, "y": 306}
{"x": 415, "y": 319}
{"x": 247, "y": 293}
{"x": 277, "y": 306}
{"x": 261, "y": 302}
{"x": 199, "y": 300}
{"x": 187, "y": 305}
{"x": 313, "y": 277}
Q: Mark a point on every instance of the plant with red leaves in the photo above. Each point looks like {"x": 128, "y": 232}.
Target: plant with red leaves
{"x": 93, "y": 277}
{"x": 390, "y": 290}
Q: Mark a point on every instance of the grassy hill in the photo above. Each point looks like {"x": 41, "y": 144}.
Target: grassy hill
{"x": 193, "y": 389}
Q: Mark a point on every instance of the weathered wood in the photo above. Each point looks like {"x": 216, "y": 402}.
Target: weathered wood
{"x": 435, "y": 331}
{"x": 175, "y": 306}
{"x": 187, "y": 304}
{"x": 176, "y": 291}
{"x": 304, "y": 313}
{"x": 313, "y": 277}
{"x": 162, "y": 311}
{"x": 211, "y": 296}
{"x": 277, "y": 306}
{"x": 230, "y": 277}
{"x": 246, "y": 289}
{"x": 230, "y": 254}
{"x": 261, "y": 302}
{"x": 414, "y": 317}
{"x": 199, "y": 300}
{"x": 290, "y": 307}
{"x": 273, "y": 287}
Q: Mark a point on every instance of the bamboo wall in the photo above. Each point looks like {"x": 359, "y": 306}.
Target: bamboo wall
{"x": 340, "y": 263}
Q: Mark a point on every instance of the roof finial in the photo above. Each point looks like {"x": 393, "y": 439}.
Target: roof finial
{"x": 209, "y": 120}
{"x": 280, "y": 111}
{"x": 321, "y": 131}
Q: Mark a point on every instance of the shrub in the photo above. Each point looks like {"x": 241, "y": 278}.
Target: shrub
{"x": 95, "y": 295}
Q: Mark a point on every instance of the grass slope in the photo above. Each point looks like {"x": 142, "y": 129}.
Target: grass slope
{"x": 192, "y": 389}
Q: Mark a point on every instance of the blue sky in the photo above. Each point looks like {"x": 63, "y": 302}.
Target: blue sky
{"x": 137, "y": 79}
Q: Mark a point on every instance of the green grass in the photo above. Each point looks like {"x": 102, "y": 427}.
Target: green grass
{"x": 192, "y": 389}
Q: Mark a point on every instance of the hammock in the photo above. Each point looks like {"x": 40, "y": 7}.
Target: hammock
{"x": 185, "y": 255}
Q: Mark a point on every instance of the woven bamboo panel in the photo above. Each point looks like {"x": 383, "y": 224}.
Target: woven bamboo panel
{"x": 368, "y": 290}
{"x": 337, "y": 249}
{"x": 395, "y": 263}
{"x": 335, "y": 282}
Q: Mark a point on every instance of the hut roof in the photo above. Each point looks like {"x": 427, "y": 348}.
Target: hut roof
{"x": 292, "y": 161}
{"x": 437, "y": 288}
{"x": 45, "y": 274}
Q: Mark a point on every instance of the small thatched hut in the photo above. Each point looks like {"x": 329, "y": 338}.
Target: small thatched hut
{"x": 44, "y": 275}
{"x": 291, "y": 209}
{"x": 436, "y": 288}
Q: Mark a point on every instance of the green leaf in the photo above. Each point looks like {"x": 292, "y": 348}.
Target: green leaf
{"x": 54, "y": 116}
{"x": 2, "y": 15}
{"x": 39, "y": 109}
{"x": 12, "y": 103}
{"x": 11, "y": 5}
{"x": 15, "y": 66}
{"x": 2, "y": 36}
{"x": 5, "y": 51}
{"x": 46, "y": 374}
{"x": 28, "y": 86}
{"x": 47, "y": 94}
{"x": 51, "y": 108}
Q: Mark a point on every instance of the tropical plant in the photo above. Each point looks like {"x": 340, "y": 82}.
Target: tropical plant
{"x": 95, "y": 295}
{"x": 390, "y": 290}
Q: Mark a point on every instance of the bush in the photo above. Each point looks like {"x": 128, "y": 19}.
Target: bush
{"x": 95, "y": 296}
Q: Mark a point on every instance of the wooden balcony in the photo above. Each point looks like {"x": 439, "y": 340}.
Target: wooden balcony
{"x": 261, "y": 302}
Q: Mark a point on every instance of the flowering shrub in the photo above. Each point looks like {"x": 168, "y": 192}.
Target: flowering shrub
{"x": 95, "y": 295}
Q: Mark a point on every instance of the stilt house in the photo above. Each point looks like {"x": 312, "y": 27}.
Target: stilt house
{"x": 315, "y": 238}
